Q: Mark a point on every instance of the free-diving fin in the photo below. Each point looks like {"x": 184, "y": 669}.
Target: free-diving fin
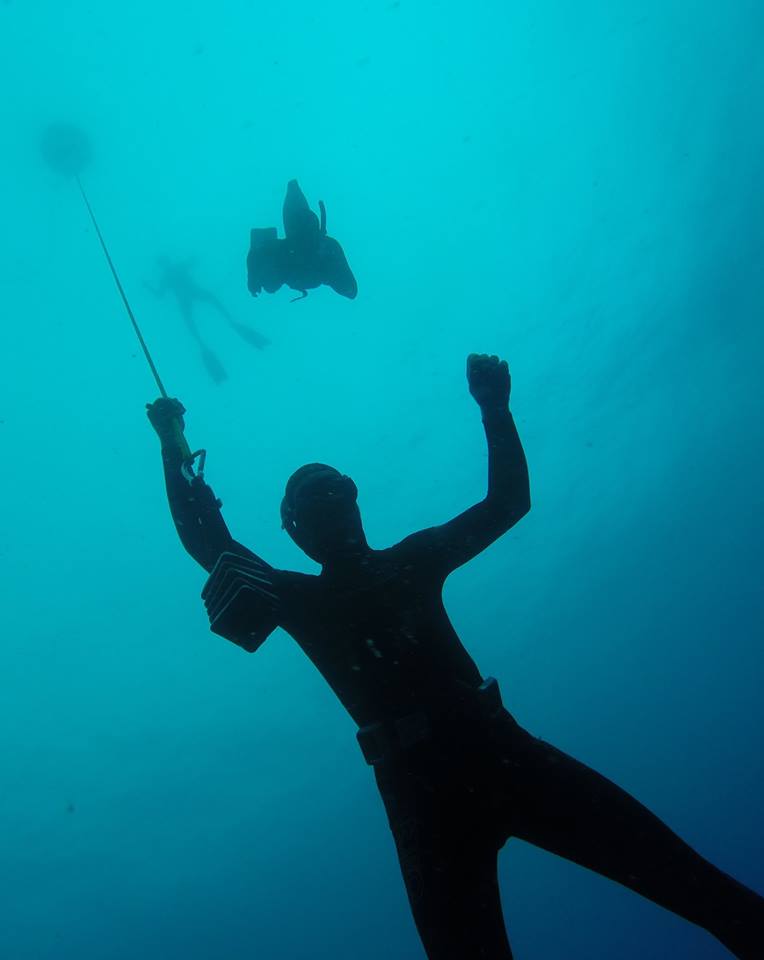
{"x": 252, "y": 337}
{"x": 335, "y": 270}
{"x": 213, "y": 366}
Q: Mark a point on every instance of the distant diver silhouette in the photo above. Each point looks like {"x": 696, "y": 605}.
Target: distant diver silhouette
{"x": 176, "y": 278}
{"x": 305, "y": 259}
{"x": 457, "y": 774}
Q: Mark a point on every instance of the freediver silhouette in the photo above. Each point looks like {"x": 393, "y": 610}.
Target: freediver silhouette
{"x": 176, "y": 278}
{"x": 305, "y": 259}
{"x": 457, "y": 774}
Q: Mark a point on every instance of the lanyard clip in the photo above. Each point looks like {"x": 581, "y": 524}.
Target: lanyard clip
{"x": 187, "y": 467}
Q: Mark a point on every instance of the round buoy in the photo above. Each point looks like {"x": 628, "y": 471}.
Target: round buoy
{"x": 66, "y": 149}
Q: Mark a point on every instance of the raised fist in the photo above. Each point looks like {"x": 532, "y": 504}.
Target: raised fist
{"x": 488, "y": 379}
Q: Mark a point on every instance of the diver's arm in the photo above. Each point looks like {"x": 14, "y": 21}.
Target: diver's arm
{"x": 508, "y": 497}
{"x": 240, "y": 595}
{"x": 194, "y": 507}
{"x": 196, "y": 514}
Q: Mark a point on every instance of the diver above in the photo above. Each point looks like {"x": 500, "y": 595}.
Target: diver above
{"x": 457, "y": 774}
{"x": 305, "y": 259}
{"x": 176, "y": 278}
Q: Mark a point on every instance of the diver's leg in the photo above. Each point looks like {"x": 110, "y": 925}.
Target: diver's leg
{"x": 449, "y": 868}
{"x": 187, "y": 313}
{"x": 301, "y": 227}
{"x": 567, "y": 808}
{"x": 212, "y": 365}
{"x": 204, "y": 296}
{"x": 295, "y": 209}
{"x": 252, "y": 337}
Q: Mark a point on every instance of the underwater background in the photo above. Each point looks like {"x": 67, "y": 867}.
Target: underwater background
{"x": 575, "y": 187}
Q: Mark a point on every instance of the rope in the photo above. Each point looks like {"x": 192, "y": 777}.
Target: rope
{"x": 122, "y": 294}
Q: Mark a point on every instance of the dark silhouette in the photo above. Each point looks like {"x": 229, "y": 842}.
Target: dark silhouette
{"x": 457, "y": 774}
{"x": 66, "y": 149}
{"x": 304, "y": 260}
{"x": 175, "y": 278}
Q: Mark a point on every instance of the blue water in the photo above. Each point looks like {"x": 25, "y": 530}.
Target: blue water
{"x": 576, "y": 187}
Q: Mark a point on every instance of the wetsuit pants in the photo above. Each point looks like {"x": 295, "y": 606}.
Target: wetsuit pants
{"x": 453, "y": 804}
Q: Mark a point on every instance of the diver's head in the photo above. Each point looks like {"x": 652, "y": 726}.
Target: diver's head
{"x": 320, "y": 513}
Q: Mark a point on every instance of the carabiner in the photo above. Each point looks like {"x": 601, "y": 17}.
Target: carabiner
{"x": 187, "y": 467}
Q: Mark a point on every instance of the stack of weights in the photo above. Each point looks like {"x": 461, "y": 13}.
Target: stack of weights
{"x": 240, "y": 600}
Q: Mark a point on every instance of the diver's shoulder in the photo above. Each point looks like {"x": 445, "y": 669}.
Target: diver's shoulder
{"x": 402, "y": 552}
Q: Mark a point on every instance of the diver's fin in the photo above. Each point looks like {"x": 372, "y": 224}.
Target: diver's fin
{"x": 251, "y": 336}
{"x": 335, "y": 271}
{"x": 214, "y": 367}
{"x": 300, "y": 223}
{"x": 295, "y": 207}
